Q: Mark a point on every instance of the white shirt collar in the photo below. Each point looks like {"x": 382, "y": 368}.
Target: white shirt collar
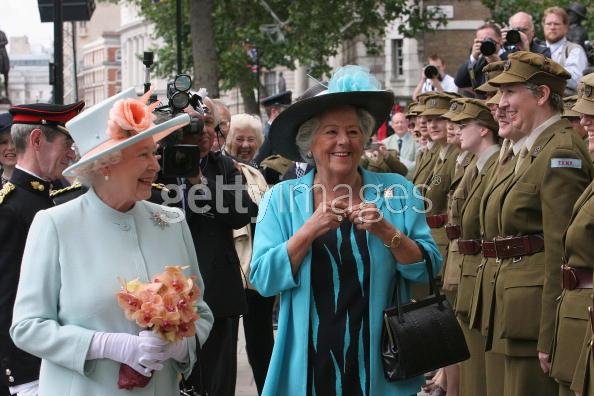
{"x": 485, "y": 155}
{"x": 530, "y": 139}
{"x": 29, "y": 172}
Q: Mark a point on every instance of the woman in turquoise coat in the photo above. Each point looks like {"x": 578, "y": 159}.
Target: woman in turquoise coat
{"x": 331, "y": 242}
{"x": 66, "y": 311}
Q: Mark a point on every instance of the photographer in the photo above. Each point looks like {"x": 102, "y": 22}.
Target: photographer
{"x": 485, "y": 49}
{"x": 434, "y": 78}
{"x": 520, "y": 35}
{"x": 216, "y": 203}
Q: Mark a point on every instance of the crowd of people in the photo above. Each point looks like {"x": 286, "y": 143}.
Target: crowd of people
{"x": 309, "y": 224}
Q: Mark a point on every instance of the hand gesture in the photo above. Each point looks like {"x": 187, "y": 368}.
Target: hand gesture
{"x": 366, "y": 216}
{"x": 327, "y": 216}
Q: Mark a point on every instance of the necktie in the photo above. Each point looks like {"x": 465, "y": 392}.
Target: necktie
{"x": 508, "y": 154}
{"x": 521, "y": 160}
{"x": 399, "y": 145}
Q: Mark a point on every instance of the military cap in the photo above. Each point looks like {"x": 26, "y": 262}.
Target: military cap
{"x": 477, "y": 110}
{"x": 419, "y": 106}
{"x": 523, "y": 66}
{"x": 494, "y": 99}
{"x": 46, "y": 114}
{"x": 585, "y": 96}
{"x": 455, "y": 107}
{"x": 410, "y": 109}
{"x": 490, "y": 71}
{"x": 279, "y": 99}
{"x": 568, "y": 103}
{"x": 5, "y": 122}
{"x": 437, "y": 104}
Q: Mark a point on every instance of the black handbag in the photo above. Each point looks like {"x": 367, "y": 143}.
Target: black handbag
{"x": 420, "y": 336}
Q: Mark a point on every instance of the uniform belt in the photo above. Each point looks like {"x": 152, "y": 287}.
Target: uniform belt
{"x": 437, "y": 221}
{"x": 489, "y": 249}
{"x": 513, "y": 247}
{"x": 576, "y": 278}
{"x": 469, "y": 246}
{"x": 453, "y": 231}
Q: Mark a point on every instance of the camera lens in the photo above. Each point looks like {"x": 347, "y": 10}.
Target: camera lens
{"x": 488, "y": 47}
{"x": 180, "y": 100}
{"x": 513, "y": 37}
{"x": 430, "y": 72}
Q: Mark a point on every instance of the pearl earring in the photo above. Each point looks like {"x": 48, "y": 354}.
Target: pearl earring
{"x": 106, "y": 177}
{"x": 308, "y": 155}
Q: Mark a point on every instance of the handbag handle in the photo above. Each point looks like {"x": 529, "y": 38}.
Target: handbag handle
{"x": 433, "y": 290}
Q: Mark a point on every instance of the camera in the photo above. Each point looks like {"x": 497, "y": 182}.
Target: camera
{"x": 512, "y": 39}
{"x": 430, "y": 72}
{"x": 488, "y": 47}
{"x": 181, "y": 160}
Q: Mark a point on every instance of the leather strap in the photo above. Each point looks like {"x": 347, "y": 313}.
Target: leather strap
{"x": 453, "y": 231}
{"x": 437, "y": 221}
{"x": 469, "y": 247}
{"x": 512, "y": 247}
{"x": 576, "y": 278}
{"x": 489, "y": 249}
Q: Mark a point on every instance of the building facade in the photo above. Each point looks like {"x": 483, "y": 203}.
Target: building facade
{"x": 28, "y": 79}
{"x": 100, "y": 73}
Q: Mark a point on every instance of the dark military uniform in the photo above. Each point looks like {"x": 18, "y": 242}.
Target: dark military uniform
{"x": 20, "y": 199}
{"x": 553, "y": 170}
{"x": 76, "y": 189}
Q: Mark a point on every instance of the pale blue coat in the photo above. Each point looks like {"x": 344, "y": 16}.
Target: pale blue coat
{"x": 283, "y": 210}
{"x": 74, "y": 255}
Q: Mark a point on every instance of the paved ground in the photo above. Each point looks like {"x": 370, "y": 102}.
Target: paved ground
{"x": 245, "y": 385}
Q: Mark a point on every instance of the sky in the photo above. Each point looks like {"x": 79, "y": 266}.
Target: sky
{"x": 21, "y": 18}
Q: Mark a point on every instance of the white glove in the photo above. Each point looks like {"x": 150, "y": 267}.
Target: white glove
{"x": 124, "y": 348}
{"x": 157, "y": 349}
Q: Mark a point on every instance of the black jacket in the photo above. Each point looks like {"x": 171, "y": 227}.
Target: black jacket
{"x": 20, "y": 200}
{"x": 212, "y": 232}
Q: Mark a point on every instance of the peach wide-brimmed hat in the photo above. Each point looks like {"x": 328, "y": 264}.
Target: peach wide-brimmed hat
{"x": 116, "y": 123}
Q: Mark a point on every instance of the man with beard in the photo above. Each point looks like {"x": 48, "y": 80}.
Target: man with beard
{"x": 216, "y": 203}
{"x": 44, "y": 150}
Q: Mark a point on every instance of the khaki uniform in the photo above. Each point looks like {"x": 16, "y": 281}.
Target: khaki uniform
{"x": 472, "y": 373}
{"x": 482, "y": 295}
{"x": 538, "y": 199}
{"x": 572, "y": 316}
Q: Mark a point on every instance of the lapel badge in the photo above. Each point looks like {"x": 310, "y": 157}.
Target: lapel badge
{"x": 436, "y": 180}
{"x": 537, "y": 150}
{"x": 388, "y": 193}
{"x": 37, "y": 186}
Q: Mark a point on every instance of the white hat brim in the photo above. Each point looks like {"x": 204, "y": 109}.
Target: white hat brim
{"x": 163, "y": 129}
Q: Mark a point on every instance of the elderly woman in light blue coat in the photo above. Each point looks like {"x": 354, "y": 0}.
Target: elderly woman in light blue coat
{"x": 66, "y": 310}
{"x": 331, "y": 243}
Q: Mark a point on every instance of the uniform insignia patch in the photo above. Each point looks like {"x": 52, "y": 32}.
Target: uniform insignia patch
{"x": 7, "y": 189}
{"x": 566, "y": 163}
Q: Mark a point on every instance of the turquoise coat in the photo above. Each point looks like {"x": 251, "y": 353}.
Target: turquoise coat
{"x": 73, "y": 258}
{"x": 283, "y": 210}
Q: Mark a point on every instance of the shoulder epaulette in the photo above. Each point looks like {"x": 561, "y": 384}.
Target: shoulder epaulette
{"x": 7, "y": 189}
{"x": 74, "y": 186}
{"x": 160, "y": 186}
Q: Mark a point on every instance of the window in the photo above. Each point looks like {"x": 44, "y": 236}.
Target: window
{"x": 270, "y": 82}
{"x": 397, "y": 59}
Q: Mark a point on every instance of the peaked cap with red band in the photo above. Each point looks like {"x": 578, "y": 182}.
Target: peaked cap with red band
{"x": 45, "y": 114}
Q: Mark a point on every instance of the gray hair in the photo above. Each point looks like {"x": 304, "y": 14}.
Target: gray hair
{"x": 308, "y": 129}
{"x": 20, "y": 134}
{"x": 244, "y": 121}
{"x": 87, "y": 174}
{"x": 555, "y": 99}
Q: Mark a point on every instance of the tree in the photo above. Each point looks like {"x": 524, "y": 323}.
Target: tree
{"x": 501, "y": 10}
{"x": 284, "y": 33}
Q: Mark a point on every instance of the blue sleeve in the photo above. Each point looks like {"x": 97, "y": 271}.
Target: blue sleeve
{"x": 416, "y": 228}
{"x": 271, "y": 271}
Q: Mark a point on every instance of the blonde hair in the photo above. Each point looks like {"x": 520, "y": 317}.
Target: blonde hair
{"x": 244, "y": 121}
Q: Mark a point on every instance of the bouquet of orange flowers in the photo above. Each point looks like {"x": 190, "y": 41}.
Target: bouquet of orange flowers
{"x": 166, "y": 305}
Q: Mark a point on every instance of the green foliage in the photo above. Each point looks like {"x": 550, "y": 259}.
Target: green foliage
{"x": 308, "y": 33}
{"x": 501, "y": 10}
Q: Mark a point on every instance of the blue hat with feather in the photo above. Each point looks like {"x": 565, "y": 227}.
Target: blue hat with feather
{"x": 349, "y": 86}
